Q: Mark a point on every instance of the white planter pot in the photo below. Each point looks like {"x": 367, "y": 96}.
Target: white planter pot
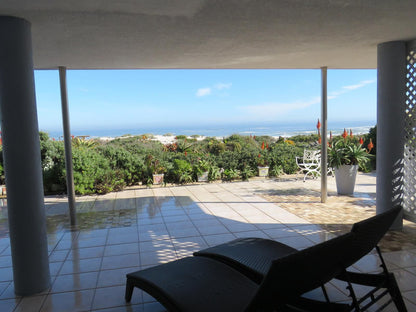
{"x": 158, "y": 178}
{"x": 203, "y": 177}
{"x": 263, "y": 171}
{"x": 345, "y": 179}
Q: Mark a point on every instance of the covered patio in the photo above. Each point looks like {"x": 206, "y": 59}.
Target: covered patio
{"x": 141, "y": 227}
{"x": 183, "y": 35}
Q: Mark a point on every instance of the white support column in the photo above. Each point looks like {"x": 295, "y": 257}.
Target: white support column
{"x": 324, "y": 137}
{"x": 22, "y": 160}
{"x": 68, "y": 147}
{"x": 391, "y": 84}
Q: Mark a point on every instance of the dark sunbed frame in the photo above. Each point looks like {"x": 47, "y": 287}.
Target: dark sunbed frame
{"x": 253, "y": 256}
{"x": 215, "y": 281}
{"x": 203, "y": 284}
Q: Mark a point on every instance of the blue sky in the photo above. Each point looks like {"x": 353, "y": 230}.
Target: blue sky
{"x": 120, "y": 99}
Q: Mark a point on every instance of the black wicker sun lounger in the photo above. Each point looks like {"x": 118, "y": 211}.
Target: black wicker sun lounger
{"x": 254, "y": 256}
{"x": 199, "y": 284}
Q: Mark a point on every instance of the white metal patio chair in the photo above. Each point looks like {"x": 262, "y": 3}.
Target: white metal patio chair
{"x": 310, "y": 163}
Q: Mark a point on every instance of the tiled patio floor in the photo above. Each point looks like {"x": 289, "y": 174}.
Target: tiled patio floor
{"x": 141, "y": 227}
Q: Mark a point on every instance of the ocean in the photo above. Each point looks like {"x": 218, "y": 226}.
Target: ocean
{"x": 275, "y": 130}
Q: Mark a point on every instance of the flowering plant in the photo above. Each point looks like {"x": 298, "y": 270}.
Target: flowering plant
{"x": 347, "y": 151}
{"x": 155, "y": 165}
{"x": 262, "y": 161}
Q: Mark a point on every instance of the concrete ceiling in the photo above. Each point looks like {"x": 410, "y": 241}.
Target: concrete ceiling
{"x": 88, "y": 34}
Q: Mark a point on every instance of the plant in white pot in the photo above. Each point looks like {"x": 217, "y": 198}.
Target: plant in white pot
{"x": 201, "y": 170}
{"x": 345, "y": 156}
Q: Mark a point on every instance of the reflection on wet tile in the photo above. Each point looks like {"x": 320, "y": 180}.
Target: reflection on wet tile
{"x": 123, "y": 238}
{"x": 154, "y": 246}
{"x": 298, "y": 242}
{"x": 411, "y": 296}
{"x": 55, "y": 267}
{"x": 401, "y": 259}
{"x": 9, "y": 304}
{"x": 58, "y": 255}
{"x": 280, "y": 232}
{"x": 85, "y": 253}
{"x": 113, "y": 297}
{"x": 6, "y": 274}
{"x": 156, "y": 257}
{"x": 30, "y": 304}
{"x": 213, "y": 240}
{"x": 81, "y": 266}
{"x": 120, "y": 261}
{"x": 184, "y": 232}
{"x": 121, "y": 249}
{"x": 68, "y": 301}
{"x": 115, "y": 277}
{"x": 257, "y": 233}
{"x": 369, "y": 263}
{"x": 3, "y": 286}
{"x": 153, "y": 307}
{"x": 405, "y": 279}
{"x": 73, "y": 282}
{"x": 5, "y": 261}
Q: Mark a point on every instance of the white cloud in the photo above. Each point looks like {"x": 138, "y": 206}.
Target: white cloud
{"x": 203, "y": 92}
{"x": 221, "y": 86}
{"x": 359, "y": 85}
{"x": 272, "y": 110}
{"x": 217, "y": 87}
{"x": 345, "y": 89}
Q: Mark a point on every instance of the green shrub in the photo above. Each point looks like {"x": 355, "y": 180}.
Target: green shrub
{"x": 53, "y": 164}
{"x": 275, "y": 171}
{"x": 214, "y": 173}
{"x": 230, "y": 174}
{"x": 247, "y": 172}
{"x": 284, "y": 155}
{"x": 130, "y": 167}
{"x": 182, "y": 171}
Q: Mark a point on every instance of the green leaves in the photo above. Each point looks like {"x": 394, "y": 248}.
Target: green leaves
{"x": 347, "y": 151}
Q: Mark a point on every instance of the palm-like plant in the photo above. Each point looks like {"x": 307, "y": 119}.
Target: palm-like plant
{"x": 347, "y": 152}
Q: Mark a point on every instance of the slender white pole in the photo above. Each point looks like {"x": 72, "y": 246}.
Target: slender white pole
{"x": 324, "y": 138}
{"x": 68, "y": 147}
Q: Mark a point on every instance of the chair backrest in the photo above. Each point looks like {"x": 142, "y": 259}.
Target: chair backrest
{"x": 311, "y": 155}
{"x": 370, "y": 231}
{"x": 302, "y": 271}
{"x": 297, "y": 273}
